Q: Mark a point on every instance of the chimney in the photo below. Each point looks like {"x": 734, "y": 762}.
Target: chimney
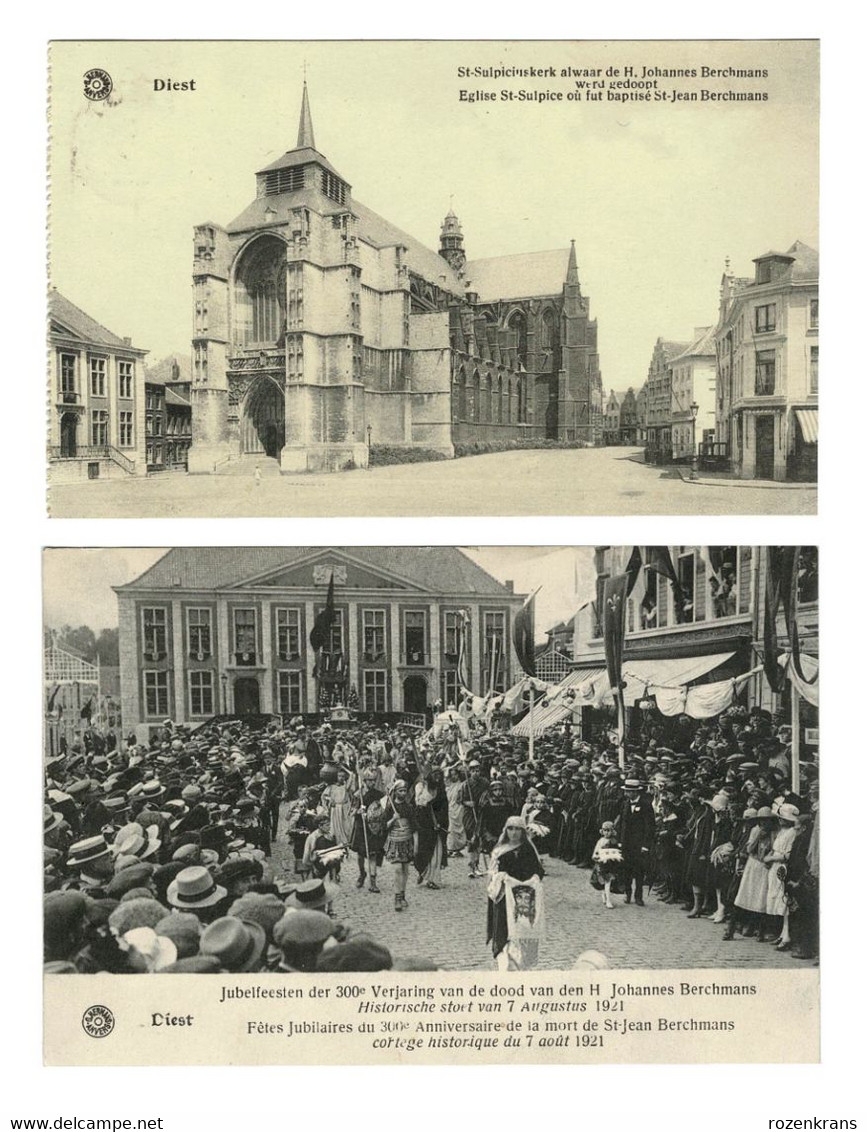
{"x": 510, "y": 586}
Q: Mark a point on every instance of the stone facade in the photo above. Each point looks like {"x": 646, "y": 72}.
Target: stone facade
{"x": 767, "y": 342}
{"x": 96, "y": 425}
{"x": 321, "y": 329}
{"x": 212, "y": 631}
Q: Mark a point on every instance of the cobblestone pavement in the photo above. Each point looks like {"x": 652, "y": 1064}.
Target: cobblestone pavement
{"x": 448, "y": 926}
{"x": 590, "y": 481}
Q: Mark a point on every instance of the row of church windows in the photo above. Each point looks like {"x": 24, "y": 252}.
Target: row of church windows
{"x": 482, "y": 401}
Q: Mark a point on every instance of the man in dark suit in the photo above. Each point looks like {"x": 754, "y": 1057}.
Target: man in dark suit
{"x": 636, "y": 827}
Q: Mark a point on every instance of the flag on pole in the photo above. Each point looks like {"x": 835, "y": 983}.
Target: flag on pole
{"x": 778, "y": 588}
{"x": 463, "y": 632}
{"x": 495, "y": 646}
{"x": 524, "y": 634}
{"x": 614, "y": 631}
{"x": 322, "y": 624}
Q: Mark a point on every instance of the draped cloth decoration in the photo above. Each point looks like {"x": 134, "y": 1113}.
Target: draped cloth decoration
{"x": 807, "y": 688}
{"x": 702, "y": 702}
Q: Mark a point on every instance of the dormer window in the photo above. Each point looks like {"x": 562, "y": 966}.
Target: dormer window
{"x": 283, "y": 181}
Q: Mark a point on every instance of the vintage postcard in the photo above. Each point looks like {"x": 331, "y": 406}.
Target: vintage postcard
{"x": 433, "y": 278}
{"x": 379, "y": 804}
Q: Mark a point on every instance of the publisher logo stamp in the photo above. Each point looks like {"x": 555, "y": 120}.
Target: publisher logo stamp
{"x": 98, "y": 1021}
{"x": 97, "y": 84}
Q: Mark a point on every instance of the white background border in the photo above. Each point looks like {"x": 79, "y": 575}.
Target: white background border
{"x": 614, "y": 1097}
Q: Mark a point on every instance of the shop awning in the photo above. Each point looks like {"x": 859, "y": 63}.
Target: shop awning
{"x": 670, "y": 673}
{"x": 808, "y": 419}
{"x": 583, "y": 686}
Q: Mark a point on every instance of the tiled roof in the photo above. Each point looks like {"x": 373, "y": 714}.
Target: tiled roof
{"x": 672, "y": 349}
{"x": 519, "y": 276}
{"x": 305, "y": 156}
{"x": 67, "y": 314}
{"x": 162, "y": 372}
{"x": 438, "y": 569}
{"x": 173, "y": 397}
{"x": 702, "y": 347}
{"x": 806, "y": 265}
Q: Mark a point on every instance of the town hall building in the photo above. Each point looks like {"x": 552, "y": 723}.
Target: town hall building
{"x": 226, "y": 631}
{"x": 321, "y": 329}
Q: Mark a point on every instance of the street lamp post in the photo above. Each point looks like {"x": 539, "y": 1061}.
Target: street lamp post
{"x": 693, "y": 471}
{"x": 369, "y": 434}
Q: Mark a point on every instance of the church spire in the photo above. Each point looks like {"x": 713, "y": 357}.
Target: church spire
{"x": 305, "y": 124}
{"x": 572, "y": 269}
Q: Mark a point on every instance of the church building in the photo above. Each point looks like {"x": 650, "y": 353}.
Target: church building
{"x": 321, "y": 329}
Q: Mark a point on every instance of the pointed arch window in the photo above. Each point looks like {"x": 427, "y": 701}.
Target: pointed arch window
{"x": 260, "y": 293}
{"x": 518, "y": 330}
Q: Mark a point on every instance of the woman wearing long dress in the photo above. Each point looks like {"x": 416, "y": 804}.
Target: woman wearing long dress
{"x": 752, "y": 897}
{"x": 777, "y": 908}
{"x": 457, "y": 838}
{"x": 338, "y": 799}
{"x": 516, "y": 913}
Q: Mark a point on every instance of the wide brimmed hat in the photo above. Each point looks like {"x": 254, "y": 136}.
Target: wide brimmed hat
{"x": 88, "y": 850}
{"x": 302, "y": 928}
{"x": 312, "y": 895}
{"x": 195, "y": 888}
{"x": 788, "y": 812}
{"x": 765, "y": 812}
{"x": 125, "y": 880}
{"x": 50, "y": 819}
{"x": 152, "y": 789}
{"x": 238, "y": 944}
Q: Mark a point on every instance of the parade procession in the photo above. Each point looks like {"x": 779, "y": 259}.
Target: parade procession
{"x": 362, "y": 759}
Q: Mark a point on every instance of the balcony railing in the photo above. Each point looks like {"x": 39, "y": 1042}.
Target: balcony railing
{"x": 68, "y": 397}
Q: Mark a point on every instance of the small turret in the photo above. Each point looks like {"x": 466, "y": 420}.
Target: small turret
{"x": 452, "y": 243}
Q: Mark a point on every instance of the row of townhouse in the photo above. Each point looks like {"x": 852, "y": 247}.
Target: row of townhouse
{"x": 743, "y": 394}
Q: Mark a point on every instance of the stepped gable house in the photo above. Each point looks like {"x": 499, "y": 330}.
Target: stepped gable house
{"x": 320, "y": 328}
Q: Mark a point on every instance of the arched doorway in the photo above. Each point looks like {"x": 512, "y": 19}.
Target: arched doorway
{"x": 415, "y": 695}
{"x": 69, "y": 434}
{"x": 247, "y": 696}
{"x": 263, "y": 425}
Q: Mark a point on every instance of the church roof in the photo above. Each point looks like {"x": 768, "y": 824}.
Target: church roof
{"x": 66, "y": 314}
{"x": 438, "y": 569}
{"x": 421, "y": 260}
{"x": 304, "y": 156}
{"x": 521, "y": 276}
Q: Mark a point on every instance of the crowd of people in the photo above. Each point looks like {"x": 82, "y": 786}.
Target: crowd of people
{"x": 161, "y": 857}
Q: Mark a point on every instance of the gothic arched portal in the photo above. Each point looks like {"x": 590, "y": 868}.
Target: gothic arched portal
{"x": 263, "y": 423}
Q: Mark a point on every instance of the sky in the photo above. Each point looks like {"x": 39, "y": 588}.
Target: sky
{"x": 656, "y": 195}
{"x": 77, "y": 582}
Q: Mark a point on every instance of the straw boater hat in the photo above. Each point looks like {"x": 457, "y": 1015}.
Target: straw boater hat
{"x": 312, "y": 895}
{"x": 87, "y": 851}
{"x": 194, "y": 888}
{"x": 50, "y": 819}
